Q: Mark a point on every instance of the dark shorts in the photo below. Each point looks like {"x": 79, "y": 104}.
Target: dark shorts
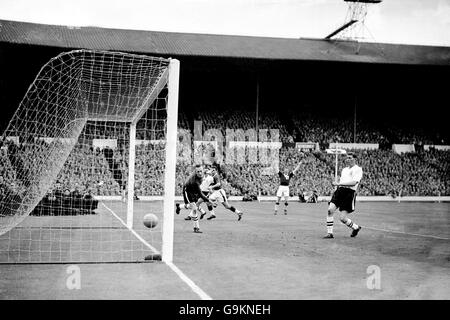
{"x": 190, "y": 197}
{"x": 344, "y": 199}
{"x": 206, "y": 193}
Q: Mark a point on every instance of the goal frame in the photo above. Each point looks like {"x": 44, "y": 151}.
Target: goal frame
{"x": 171, "y": 160}
{"x": 171, "y": 77}
{"x": 167, "y": 80}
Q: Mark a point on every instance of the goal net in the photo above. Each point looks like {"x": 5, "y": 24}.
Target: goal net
{"x": 93, "y": 136}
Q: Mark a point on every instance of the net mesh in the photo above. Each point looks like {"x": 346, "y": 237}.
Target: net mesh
{"x": 65, "y": 159}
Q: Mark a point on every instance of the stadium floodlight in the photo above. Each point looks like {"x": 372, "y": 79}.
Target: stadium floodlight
{"x": 93, "y": 126}
{"x": 336, "y": 151}
{"x": 356, "y": 15}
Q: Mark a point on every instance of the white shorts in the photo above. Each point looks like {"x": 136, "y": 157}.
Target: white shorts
{"x": 283, "y": 191}
{"x": 218, "y": 195}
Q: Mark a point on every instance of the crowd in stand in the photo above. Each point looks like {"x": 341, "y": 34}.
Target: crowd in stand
{"x": 316, "y": 128}
{"x": 422, "y": 173}
{"x": 385, "y": 173}
{"x": 244, "y": 120}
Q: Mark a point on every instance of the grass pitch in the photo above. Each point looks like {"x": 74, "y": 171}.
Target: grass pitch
{"x": 264, "y": 256}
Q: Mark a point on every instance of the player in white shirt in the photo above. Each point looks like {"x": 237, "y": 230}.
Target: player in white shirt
{"x": 344, "y": 197}
{"x": 208, "y": 180}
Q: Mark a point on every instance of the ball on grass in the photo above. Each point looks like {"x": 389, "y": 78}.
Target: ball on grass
{"x": 150, "y": 220}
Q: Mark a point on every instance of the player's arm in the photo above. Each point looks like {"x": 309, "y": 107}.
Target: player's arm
{"x": 202, "y": 195}
{"x": 297, "y": 168}
{"x": 299, "y": 164}
{"x": 216, "y": 183}
{"x": 346, "y": 184}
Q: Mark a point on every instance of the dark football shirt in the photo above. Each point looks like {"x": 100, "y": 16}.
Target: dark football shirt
{"x": 284, "y": 181}
{"x": 192, "y": 186}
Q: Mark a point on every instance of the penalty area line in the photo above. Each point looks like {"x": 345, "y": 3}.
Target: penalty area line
{"x": 406, "y": 233}
{"x": 203, "y": 295}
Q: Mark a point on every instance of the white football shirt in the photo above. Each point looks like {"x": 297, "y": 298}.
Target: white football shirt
{"x": 207, "y": 181}
{"x": 354, "y": 173}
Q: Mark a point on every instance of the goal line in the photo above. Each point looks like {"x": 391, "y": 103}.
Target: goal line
{"x": 203, "y": 295}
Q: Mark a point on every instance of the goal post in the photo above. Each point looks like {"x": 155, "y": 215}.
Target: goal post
{"x": 95, "y": 131}
{"x": 171, "y": 158}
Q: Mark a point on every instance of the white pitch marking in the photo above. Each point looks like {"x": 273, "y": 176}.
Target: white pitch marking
{"x": 189, "y": 282}
{"x": 203, "y": 295}
{"x": 408, "y": 233}
{"x": 132, "y": 231}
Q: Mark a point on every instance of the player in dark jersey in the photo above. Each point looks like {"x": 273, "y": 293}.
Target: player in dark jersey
{"x": 207, "y": 180}
{"x": 191, "y": 195}
{"x": 217, "y": 194}
{"x": 283, "y": 189}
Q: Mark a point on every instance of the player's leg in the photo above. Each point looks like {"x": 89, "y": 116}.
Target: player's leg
{"x": 202, "y": 211}
{"x": 222, "y": 198}
{"x": 184, "y": 205}
{"x": 286, "y": 199}
{"x": 213, "y": 198}
{"x": 277, "y": 204}
{"x": 189, "y": 203}
{"x": 348, "y": 206}
{"x": 187, "y": 206}
{"x": 179, "y": 206}
{"x": 233, "y": 209}
{"x": 195, "y": 218}
{"x": 335, "y": 202}
{"x": 212, "y": 214}
{"x": 191, "y": 213}
{"x": 343, "y": 216}
{"x": 279, "y": 195}
{"x": 330, "y": 220}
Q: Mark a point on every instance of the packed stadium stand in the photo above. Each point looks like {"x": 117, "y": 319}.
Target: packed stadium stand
{"x": 420, "y": 173}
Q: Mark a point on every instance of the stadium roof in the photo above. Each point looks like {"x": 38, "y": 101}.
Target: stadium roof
{"x": 207, "y": 45}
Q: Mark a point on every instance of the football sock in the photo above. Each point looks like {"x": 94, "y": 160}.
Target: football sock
{"x": 195, "y": 221}
{"x": 349, "y": 223}
{"x": 330, "y": 222}
{"x": 234, "y": 209}
{"x": 276, "y": 206}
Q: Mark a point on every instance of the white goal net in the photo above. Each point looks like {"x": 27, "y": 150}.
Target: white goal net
{"x": 95, "y": 131}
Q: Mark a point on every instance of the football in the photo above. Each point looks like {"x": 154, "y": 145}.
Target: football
{"x": 150, "y": 220}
